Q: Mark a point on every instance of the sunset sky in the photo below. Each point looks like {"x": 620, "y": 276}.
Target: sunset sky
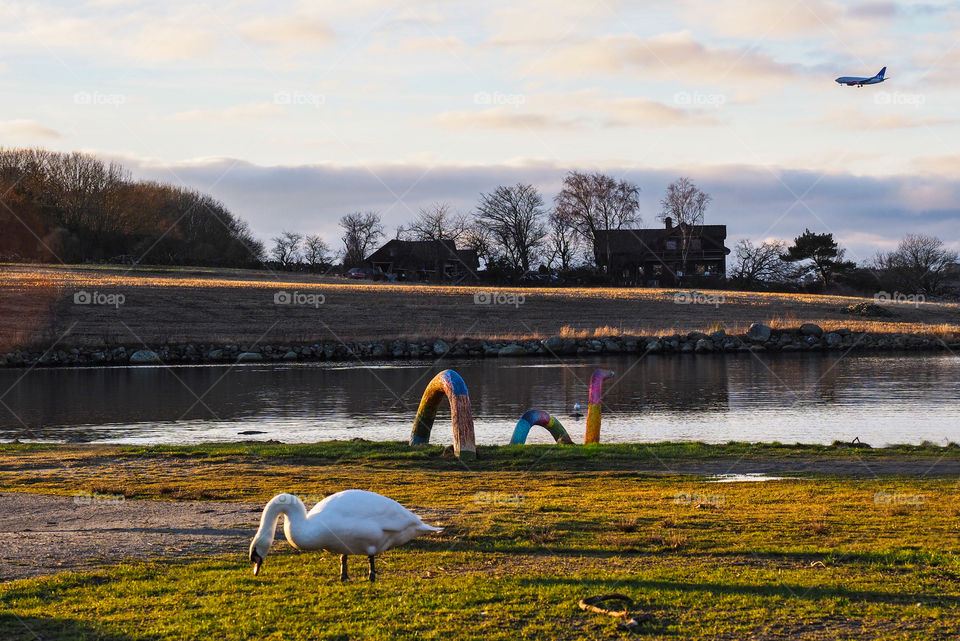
{"x": 296, "y": 113}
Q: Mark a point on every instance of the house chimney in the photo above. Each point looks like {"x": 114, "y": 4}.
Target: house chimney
{"x": 668, "y": 222}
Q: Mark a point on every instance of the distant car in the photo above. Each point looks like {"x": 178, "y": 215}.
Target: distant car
{"x": 366, "y": 273}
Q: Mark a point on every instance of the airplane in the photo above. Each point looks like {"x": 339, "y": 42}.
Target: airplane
{"x": 850, "y": 81}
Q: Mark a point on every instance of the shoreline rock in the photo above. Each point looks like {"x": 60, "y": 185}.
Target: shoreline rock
{"x": 759, "y": 338}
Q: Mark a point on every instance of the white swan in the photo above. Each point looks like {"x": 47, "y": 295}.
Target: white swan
{"x": 349, "y": 522}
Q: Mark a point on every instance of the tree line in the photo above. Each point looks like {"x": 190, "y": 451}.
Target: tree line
{"x": 512, "y": 229}
{"x": 73, "y": 207}
{"x": 920, "y": 264}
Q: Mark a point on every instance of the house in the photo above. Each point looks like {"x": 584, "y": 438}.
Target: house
{"x": 664, "y": 257}
{"x": 425, "y": 260}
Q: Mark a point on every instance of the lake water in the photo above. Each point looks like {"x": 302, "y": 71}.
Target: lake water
{"x": 808, "y": 398}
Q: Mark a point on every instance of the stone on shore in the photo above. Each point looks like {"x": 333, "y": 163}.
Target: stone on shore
{"x": 811, "y": 329}
{"x": 144, "y": 357}
{"x": 759, "y": 333}
{"x": 512, "y": 350}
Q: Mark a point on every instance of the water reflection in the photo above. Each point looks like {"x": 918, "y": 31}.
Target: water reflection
{"x": 797, "y": 397}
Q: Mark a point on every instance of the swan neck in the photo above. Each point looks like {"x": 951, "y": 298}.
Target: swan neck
{"x": 295, "y": 517}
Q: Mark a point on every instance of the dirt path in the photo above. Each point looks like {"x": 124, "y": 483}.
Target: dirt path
{"x": 46, "y": 534}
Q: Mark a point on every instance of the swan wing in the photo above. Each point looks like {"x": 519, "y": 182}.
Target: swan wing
{"x": 360, "y": 505}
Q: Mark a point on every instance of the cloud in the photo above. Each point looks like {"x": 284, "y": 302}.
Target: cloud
{"x": 27, "y": 129}
{"x": 173, "y": 40}
{"x": 946, "y": 165}
{"x": 291, "y": 31}
{"x": 860, "y": 121}
{"x": 509, "y": 118}
{"x": 238, "y": 113}
{"x": 642, "y": 112}
{"x": 758, "y": 21}
{"x": 449, "y": 43}
{"x": 673, "y": 56}
{"x": 761, "y": 20}
{"x": 534, "y": 23}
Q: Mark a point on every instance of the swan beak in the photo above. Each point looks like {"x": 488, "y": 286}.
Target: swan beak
{"x": 257, "y": 562}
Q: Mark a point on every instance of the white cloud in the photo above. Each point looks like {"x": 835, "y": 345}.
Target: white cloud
{"x": 945, "y": 165}
{"x": 176, "y": 40}
{"x": 650, "y": 113}
{"x": 860, "y": 121}
{"x": 535, "y": 22}
{"x": 27, "y": 129}
{"x": 442, "y": 44}
{"x": 238, "y": 113}
{"x": 758, "y": 20}
{"x": 297, "y": 31}
{"x": 673, "y": 56}
{"x": 502, "y": 118}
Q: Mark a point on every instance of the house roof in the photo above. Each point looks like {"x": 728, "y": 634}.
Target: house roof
{"x": 423, "y": 254}
{"x": 651, "y": 241}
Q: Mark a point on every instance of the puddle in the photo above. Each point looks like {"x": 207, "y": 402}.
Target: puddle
{"x": 750, "y": 477}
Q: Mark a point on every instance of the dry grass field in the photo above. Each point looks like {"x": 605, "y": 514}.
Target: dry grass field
{"x": 154, "y": 306}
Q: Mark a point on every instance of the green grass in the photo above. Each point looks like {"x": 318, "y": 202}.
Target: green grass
{"x": 818, "y": 558}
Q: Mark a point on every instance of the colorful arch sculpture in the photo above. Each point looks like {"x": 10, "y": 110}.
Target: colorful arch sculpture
{"x": 539, "y": 417}
{"x": 450, "y": 384}
{"x": 592, "y": 434}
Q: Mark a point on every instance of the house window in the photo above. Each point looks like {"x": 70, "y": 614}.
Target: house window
{"x": 695, "y": 244}
{"x": 671, "y": 245}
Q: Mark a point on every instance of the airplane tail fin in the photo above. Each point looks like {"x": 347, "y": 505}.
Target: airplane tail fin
{"x": 882, "y": 71}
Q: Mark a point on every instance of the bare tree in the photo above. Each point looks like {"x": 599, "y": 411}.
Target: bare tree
{"x": 477, "y": 237}
{"x": 760, "y": 263}
{"x": 514, "y": 218}
{"x": 361, "y": 231}
{"x": 286, "y": 248}
{"x": 597, "y": 202}
{"x": 920, "y": 264}
{"x": 439, "y": 221}
{"x": 563, "y": 242}
{"x": 685, "y": 204}
{"x": 316, "y": 251}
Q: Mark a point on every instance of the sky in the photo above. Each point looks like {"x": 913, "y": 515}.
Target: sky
{"x": 295, "y": 113}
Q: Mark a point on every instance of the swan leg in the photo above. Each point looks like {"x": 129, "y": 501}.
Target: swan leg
{"x": 373, "y": 571}
{"x": 343, "y": 568}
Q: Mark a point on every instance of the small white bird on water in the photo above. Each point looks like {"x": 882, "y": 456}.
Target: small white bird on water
{"x": 349, "y": 522}
{"x": 576, "y": 411}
